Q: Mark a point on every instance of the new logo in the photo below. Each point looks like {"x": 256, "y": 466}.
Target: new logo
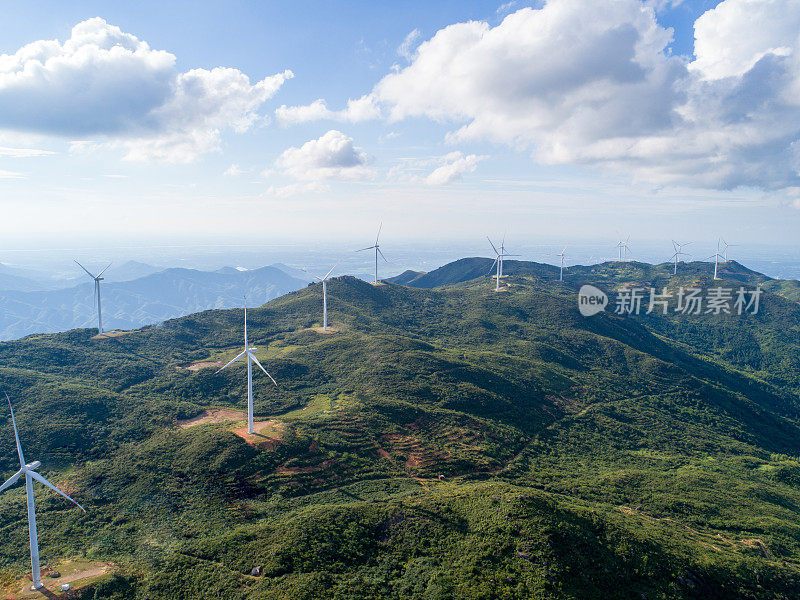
{"x": 591, "y": 300}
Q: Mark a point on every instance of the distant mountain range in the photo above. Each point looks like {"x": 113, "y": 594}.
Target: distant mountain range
{"x": 137, "y": 302}
{"x": 29, "y": 280}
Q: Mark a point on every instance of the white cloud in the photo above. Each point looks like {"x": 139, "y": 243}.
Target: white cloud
{"x": 332, "y": 156}
{"x": 406, "y": 49}
{"x": 506, "y": 8}
{"x": 446, "y": 168}
{"x": 23, "y": 152}
{"x": 579, "y": 81}
{"x": 109, "y": 87}
{"x": 10, "y": 175}
{"x": 296, "y": 189}
{"x": 731, "y": 38}
{"x": 360, "y": 109}
{"x": 234, "y": 171}
{"x": 455, "y": 165}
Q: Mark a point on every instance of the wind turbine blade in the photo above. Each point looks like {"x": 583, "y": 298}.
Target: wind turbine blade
{"x": 104, "y": 270}
{"x": 493, "y": 248}
{"x": 367, "y": 248}
{"x": 44, "y": 481}
{"x": 379, "y": 233}
{"x": 381, "y": 253}
{"x": 11, "y": 481}
{"x": 307, "y": 272}
{"x": 331, "y": 271}
{"x": 493, "y": 265}
{"x": 233, "y": 361}
{"x": 253, "y": 356}
{"x": 85, "y": 269}
{"x": 16, "y": 434}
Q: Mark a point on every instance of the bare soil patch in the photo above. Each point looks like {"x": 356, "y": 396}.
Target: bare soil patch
{"x": 110, "y": 334}
{"x": 214, "y": 415}
{"x": 201, "y": 365}
{"x": 78, "y": 574}
{"x": 268, "y": 434}
{"x": 329, "y": 331}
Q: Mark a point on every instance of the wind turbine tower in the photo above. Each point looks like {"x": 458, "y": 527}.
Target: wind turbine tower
{"x": 97, "y": 279}
{"x": 725, "y": 251}
{"x": 250, "y": 353}
{"x": 498, "y": 262}
{"x": 716, "y": 256}
{"x": 324, "y": 280}
{"x": 678, "y": 253}
{"x": 561, "y": 273}
{"x": 377, "y": 249}
{"x": 29, "y": 471}
{"x": 622, "y": 250}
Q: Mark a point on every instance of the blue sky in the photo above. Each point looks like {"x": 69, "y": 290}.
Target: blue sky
{"x": 574, "y": 120}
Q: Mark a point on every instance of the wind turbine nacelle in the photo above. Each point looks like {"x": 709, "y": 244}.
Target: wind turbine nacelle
{"x": 33, "y": 466}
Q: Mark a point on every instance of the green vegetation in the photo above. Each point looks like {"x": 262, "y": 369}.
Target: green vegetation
{"x": 449, "y": 443}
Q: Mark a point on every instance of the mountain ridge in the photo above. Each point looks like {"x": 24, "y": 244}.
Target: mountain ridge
{"x": 606, "y": 457}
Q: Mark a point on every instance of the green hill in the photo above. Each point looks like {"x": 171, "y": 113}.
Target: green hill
{"x": 447, "y": 442}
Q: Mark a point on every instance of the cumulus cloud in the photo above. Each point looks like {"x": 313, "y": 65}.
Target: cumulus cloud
{"x": 731, "y": 38}
{"x": 361, "y": 109}
{"x": 578, "y": 81}
{"x": 332, "y": 156}
{"x": 107, "y": 85}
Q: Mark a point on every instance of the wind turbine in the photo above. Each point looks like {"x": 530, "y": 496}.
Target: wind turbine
{"x": 29, "y": 471}
{"x": 678, "y": 253}
{"x": 561, "y": 254}
{"x": 97, "y": 279}
{"x": 716, "y": 256}
{"x": 622, "y": 250}
{"x": 377, "y": 249}
{"x": 250, "y": 353}
{"x": 501, "y": 254}
{"x": 324, "y": 281}
{"x": 725, "y": 251}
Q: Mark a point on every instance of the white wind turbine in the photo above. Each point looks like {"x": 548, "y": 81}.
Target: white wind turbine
{"x": 725, "y": 251}
{"x": 97, "y": 279}
{"x": 377, "y": 249}
{"x": 324, "y": 280}
{"x": 716, "y": 256}
{"x": 501, "y": 254}
{"x": 561, "y": 254}
{"x": 29, "y": 471}
{"x": 622, "y": 250}
{"x": 250, "y": 353}
{"x": 678, "y": 253}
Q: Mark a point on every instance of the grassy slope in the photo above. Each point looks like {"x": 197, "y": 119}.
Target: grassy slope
{"x": 608, "y": 457}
